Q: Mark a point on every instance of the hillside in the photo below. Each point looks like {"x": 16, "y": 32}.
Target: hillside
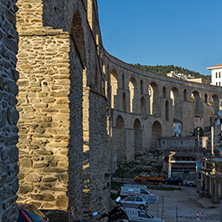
{"x": 163, "y": 70}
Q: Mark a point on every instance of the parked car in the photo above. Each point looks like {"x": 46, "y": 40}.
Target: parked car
{"x": 191, "y": 183}
{"x": 173, "y": 180}
{"x": 140, "y": 215}
{"x": 146, "y": 177}
{"x": 138, "y": 190}
{"x": 133, "y": 202}
{"x": 29, "y": 213}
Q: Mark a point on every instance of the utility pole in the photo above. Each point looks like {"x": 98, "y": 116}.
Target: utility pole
{"x": 212, "y": 132}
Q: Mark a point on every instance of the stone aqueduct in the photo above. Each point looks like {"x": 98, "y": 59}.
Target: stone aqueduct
{"x": 143, "y": 107}
{"x": 81, "y": 111}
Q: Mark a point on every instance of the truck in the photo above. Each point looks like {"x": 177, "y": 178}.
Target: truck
{"x": 145, "y": 177}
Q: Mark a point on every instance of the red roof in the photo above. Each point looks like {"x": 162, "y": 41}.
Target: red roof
{"x": 213, "y": 67}
{"x": 176, "y": 121}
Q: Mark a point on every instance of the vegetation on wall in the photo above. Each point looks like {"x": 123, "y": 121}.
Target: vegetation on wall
{"x": 163, "y": 70}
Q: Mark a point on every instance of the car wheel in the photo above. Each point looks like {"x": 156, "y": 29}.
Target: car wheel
{"x": 166, "y": 182}
{"x": 179, "y": 183}
{"x": 190, "y": 184}
{"x": 142, "y": 207}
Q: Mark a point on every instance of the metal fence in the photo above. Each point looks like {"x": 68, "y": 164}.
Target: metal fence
{"x": 170, "y": 211}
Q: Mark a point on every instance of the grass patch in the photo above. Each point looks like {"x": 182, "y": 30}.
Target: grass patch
{"x": 113, "y": 196}
{"x": 163, "y": 188}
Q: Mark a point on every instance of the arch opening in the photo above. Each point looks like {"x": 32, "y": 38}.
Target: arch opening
{"x": 174, "y": 95}
{"x": 156, "y": 134}
{"x": 153, "y": 93}
{"x": 114, "y": 86}
{"x": 120, "y": 139}
{"x": 132, "y": 89}
{"x": 78, "y": 34}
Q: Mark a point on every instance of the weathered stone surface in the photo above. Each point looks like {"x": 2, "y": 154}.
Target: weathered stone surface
{"x": 61, "y": 201}
{"x": 25, "y": 189}
{"x": 49, "y": 179}
{"x": 8, "y": 92}
{"x": 43, "y": 197}
{"x": 26, "y": 163}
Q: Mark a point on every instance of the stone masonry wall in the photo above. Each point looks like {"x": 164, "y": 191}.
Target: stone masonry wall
{"x": 43, "y": 104}
{"x": 8, "y": 112}
{"x": 62, "y": 138}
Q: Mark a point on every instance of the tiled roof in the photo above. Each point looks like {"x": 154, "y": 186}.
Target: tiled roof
{"x": 214, "y": 67}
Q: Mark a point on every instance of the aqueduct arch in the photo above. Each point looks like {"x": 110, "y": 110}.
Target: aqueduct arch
{"x": 154, "y": 94}
{"x": 133, "y": 94}
{"x": 215, "y": 103}
{"x": 195, "y": 98}
{"x": 114, "y": 86}
{"x": 120, "y": 139}
{"x": 174, "y": 95}
{"x": 156, "y": 134}
{"x": 78, "y": 34}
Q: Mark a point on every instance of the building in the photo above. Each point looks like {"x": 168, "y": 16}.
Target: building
{"x": 211, "y": 177}
{"x": 182, "y": 76}
{"x": 177, "y": 128}
{"x": 216, "y": 75}
{"x": 181, "y": 154}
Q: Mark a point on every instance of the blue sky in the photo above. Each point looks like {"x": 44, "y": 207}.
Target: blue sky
{"x": 185, "y": 33}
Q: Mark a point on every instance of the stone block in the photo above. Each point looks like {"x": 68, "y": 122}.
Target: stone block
{"x": 23, "y": 189}
{"x": 43, "y": 197}
{"x": 26, "y": 163}
{"x": 62, "y": 202}
{"x": 49, "y": 179}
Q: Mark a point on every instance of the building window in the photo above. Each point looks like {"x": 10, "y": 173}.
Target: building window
{"x": 219, "y": 74}
{"x": 216, "y": 75}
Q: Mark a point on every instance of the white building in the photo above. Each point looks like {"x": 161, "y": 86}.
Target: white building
{"x": 216, "y": 75}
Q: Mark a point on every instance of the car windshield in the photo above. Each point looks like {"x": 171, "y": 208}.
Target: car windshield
{"x": 144, "y": 191}
{"x": 130, "y": 199}
{"x": 139, "y": 199}
{"x": 145, "y": 214}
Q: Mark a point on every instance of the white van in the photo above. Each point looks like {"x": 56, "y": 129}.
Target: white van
{"x": 140, "y": 215}
{"x": 138, "y": 190}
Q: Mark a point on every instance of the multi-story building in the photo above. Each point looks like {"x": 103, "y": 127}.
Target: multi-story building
{"x": 211, "y": 177}
{"x": 216, "y": 75}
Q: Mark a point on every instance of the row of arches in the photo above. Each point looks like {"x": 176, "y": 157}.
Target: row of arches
{"x": 148, "y": 101}
{"x": 137, "y": 144}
